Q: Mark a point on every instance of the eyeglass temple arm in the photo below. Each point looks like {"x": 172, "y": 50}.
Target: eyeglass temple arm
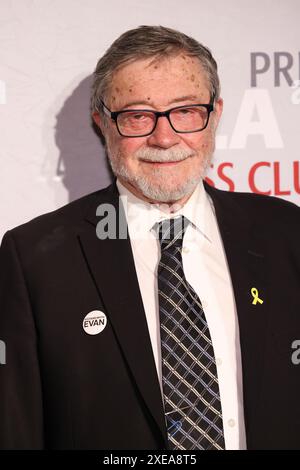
{"x": 105, "y": 109}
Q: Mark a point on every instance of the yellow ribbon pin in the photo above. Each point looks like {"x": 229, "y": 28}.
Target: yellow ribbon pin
{"x": 256, "y": 299}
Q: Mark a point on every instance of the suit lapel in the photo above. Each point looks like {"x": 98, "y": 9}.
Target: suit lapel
{"x": 112, "y": 267}
{"x": 247, "y": 260}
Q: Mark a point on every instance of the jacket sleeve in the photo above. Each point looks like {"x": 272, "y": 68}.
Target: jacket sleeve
{"x": 21, "y": 411}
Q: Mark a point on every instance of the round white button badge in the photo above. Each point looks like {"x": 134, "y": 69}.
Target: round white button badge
{"x": 94, "y": 322}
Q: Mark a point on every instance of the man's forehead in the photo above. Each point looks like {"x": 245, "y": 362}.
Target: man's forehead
{"x": 174, "y": 78}
{"x": 159, "y": 63}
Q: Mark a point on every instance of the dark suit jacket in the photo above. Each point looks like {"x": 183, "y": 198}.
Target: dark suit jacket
{"x": 63, "y": 388}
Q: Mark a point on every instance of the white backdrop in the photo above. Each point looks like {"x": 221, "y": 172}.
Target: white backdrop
{"x": 49, "y": 154}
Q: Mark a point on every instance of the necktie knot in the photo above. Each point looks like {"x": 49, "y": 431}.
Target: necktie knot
{"x": 171, "y": 232}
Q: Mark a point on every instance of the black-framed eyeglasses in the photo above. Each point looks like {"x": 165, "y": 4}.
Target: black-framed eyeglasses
{"x": 142, "y": 122}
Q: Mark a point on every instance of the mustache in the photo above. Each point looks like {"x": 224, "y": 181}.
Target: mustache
{"x": 164, "y": 156}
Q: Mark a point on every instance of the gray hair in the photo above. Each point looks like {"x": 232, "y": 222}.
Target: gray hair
{"x": 145, "y": 42}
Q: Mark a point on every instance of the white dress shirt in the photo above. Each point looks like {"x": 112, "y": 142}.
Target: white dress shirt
{"x": 205, "y": 268}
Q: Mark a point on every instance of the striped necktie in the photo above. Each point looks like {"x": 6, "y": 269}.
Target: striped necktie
{"x": 190, "y": 383}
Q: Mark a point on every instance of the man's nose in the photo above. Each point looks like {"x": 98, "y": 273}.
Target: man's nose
{"x": 163, "y": 135}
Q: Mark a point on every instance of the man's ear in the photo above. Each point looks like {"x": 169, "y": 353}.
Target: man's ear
{"x": 218, "y": 109}
{"x": 98, "y": 120}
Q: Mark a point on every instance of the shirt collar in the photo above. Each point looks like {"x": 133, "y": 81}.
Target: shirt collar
{"x": 141, "y": 216}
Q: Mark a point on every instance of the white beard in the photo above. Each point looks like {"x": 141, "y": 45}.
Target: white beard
{"x": 157, "y": 188}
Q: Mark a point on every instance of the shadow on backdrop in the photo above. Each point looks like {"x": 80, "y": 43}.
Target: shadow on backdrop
{"x": 82, "y": 165}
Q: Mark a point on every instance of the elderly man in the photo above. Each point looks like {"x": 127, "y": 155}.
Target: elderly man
{"x": 179, "y": 335}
